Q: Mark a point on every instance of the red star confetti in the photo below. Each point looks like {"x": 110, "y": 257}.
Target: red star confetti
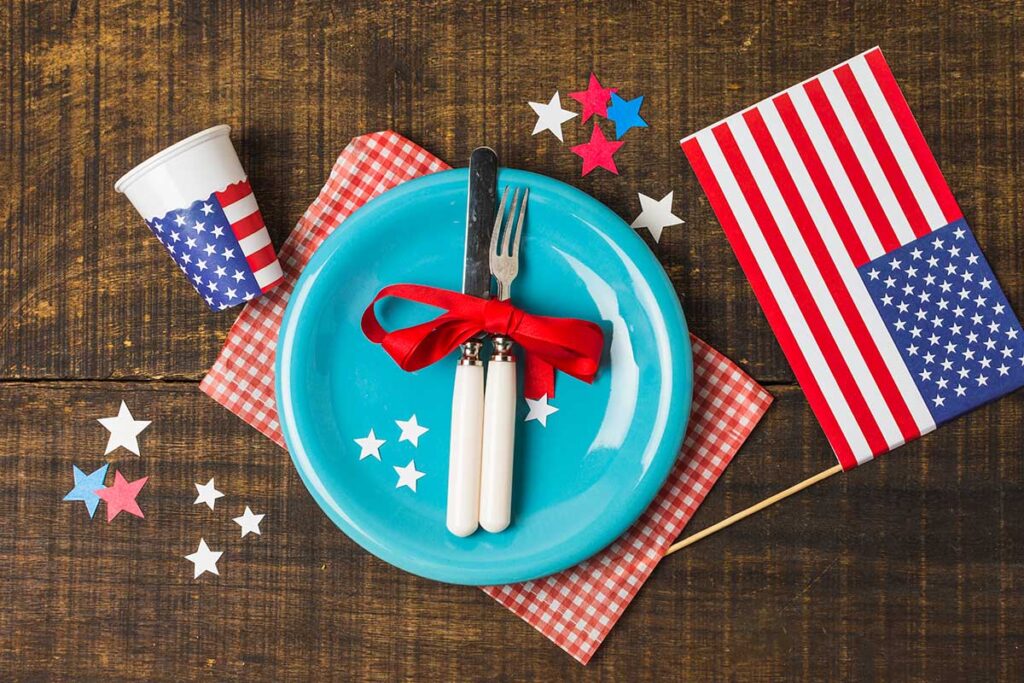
{"x": 594, "y": 99}
{"x": 598, "y": 152}
{"x": 121, "y": 496}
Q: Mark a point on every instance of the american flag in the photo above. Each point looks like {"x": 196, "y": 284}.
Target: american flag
{"x": 222, "y": 246}
{"x": 860, "y": 257}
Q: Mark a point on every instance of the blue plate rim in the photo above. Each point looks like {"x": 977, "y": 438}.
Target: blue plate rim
{"x": 625, "y": 237}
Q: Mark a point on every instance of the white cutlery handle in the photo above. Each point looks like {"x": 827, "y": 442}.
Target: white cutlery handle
{"x": 464, "y": 449}
{"x": 499, "y": 445}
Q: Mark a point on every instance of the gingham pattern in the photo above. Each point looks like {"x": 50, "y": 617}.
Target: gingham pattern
{"x": 578, "y": 607}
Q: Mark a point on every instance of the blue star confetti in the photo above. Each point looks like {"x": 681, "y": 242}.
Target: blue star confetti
{"x": 625, "y": 114}
{"x": 86, "y": 486}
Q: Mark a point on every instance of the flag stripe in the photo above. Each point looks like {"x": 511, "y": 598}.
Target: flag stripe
{"x": 897, "y": 142}
{"x": 877, "y": 218}
{"x": 248, "y": 225}
{"x": 232, "y": 193}
{"x": 850, "y": 277}
{"x": 254, "y": 242}
{"x": 261, "y": 258}
{"x": 882, "y": 190}
{"x": 826, "y": 191}
{"x": 845, "y": 319}
{"x": 912, "y": 132}
{"x": 240, "y": 208}
{"x": 794, "y": 282}
{"x": 782, "y": 273}
{"x": 881, "y": 151}
{"x": 269, "y": 276}
{"x": 787, "y": 339}
{"x": 834, "y": 172}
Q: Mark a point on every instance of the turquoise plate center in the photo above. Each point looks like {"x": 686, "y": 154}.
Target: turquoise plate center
{"x": 579, "y": 482}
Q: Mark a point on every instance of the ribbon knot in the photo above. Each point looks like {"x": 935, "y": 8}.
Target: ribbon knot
{"x": 567, "y": 344}
{"x": 501, "y": 317}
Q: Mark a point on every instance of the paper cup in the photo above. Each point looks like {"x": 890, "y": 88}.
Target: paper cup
{"x": 195, "y": 198}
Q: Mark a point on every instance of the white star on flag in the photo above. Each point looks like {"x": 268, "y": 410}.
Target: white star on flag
{"x": 656, "y": 215}
{"x": 411, "y": 431}
{"x": 540, "y": 409}
{"x": 124, "y": 430}
{"x": 204, "y": 559}
{"x": 551, "y": 116}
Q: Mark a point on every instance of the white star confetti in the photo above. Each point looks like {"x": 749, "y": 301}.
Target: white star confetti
{"x": 204, "y": 559}
{"x": 369, "y": 446}
{"x": 124, "y": 430}
{"x": 408, "y": 475}
{"x": 656, "y": 215}
{"x": 207, "y": 494}
{"x": 249, "y": 522}
{"x": 411, "y": 431}
{"x": 551, "y": 116}
{"x": 540, "y": 409}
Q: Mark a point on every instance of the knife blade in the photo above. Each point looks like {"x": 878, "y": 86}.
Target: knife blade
{"x": 462, "y": 517}
{"x": 480, "y": 207}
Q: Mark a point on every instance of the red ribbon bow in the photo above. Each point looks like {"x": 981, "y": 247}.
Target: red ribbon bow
{"x": 570, "y": 345}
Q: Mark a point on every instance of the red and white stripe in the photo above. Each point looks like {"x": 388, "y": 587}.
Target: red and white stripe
{"x": 810, "y": 184}
{"x": 239, "y": 206}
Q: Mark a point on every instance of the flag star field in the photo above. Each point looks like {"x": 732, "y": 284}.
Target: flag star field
{"x": 950, "y": 320}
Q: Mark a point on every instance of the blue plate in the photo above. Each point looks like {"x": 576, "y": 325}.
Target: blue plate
{"x": 579, "y": 482}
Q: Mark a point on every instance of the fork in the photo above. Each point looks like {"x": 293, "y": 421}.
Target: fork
{"x": 500, "y": 392}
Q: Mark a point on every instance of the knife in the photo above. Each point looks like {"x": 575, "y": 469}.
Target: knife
{"x": 468, "y": 394}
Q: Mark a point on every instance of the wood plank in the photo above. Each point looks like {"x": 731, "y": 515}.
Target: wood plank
{"x": 92, "y": 88}
{"x": 907, "y": 568}
{"x": 902, "y": 569}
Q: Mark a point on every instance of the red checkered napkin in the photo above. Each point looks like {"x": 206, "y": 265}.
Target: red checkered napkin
{"x": 577, "y": 607}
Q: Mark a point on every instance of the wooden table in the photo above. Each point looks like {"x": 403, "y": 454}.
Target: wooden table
{"x": 908, "y": 568}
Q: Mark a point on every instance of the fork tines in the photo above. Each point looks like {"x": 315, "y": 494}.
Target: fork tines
{"x": 505, "y": 237}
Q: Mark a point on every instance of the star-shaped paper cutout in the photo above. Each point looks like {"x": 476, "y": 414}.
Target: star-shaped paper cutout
{"x": 204, "y": 559}
{"x": 655, "y": 215}
{"x": 594, "y": 99}
{"x": 551, "y": 116}
{"x": 625, "y": 114}
{"x": 249, "y": 522}
{"x": 597, "y": 152}
{"x": 121, "y": 496}
{"x": 411, "y": 431}
{"x": 370, "y": 445}
{"x": 540, "y": 409}
{"x": 408, "y": 475}
{"x": 124, "y": 430}
{"x": 86, "y": 486}
{"x": 208, "y": 494}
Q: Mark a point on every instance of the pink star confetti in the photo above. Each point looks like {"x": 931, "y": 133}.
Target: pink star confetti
{"x": 594, "y": 99}
{"x": 598, "y": 152}
{"x": 120, "y": 496}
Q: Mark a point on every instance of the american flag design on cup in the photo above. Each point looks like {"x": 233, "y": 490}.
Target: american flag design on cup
{"x": 222, "y": 245}
{"x": 196, "y": 199}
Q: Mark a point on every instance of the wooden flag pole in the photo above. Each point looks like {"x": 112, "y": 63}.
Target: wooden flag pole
{"x": 743, "y": 514}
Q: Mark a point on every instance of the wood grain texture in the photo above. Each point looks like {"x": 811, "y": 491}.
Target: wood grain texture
{"x": 907, "y": 569}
